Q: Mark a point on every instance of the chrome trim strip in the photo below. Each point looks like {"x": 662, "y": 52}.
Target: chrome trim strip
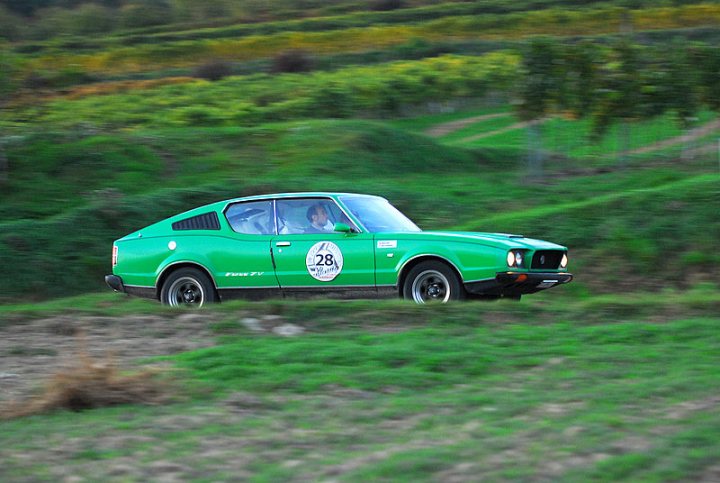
{"x": 328, "y": 287}
{"x": 275, "y": 217}
{"x": 139, "y": 286}
{"x": 264, "y": 287}
{"x": 212, "y": 279}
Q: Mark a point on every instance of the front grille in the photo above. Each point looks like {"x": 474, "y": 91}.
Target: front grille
{"x": 549, "y": 259}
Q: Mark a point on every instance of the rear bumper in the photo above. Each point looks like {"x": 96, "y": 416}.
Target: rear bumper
{"x": 115, "y": 283}
{"x": 517, "y": 283}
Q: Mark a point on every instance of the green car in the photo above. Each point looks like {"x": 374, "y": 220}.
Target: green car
{"x": 324, "y": 244}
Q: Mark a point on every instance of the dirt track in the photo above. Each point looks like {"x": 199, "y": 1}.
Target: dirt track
{"x": 32, "y": 351}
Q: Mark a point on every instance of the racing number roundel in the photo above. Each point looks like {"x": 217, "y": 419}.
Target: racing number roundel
{"x": 324, "y": 261}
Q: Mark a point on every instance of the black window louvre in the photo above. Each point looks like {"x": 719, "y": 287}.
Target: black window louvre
{"x": 206, "y": 221}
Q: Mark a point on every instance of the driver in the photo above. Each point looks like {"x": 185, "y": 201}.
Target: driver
{"x": 318, "y": 218}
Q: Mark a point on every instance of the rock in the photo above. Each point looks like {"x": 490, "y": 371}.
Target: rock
{"x": 251, "y": 323}
{"x": 288, "y": 330}
{"x": 272, "y": 318}
{"x": 192, "y": 318}
{"x": 242, "y": 401}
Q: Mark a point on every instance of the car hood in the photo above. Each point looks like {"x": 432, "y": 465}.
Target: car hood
{"x": 499, "y": 240}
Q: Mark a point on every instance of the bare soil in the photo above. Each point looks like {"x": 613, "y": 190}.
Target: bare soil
{"x": 446, "y": 128}
{"x": 32, "y": 351}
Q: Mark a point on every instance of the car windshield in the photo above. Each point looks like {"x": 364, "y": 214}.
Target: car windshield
{"x": 378, "y": 215}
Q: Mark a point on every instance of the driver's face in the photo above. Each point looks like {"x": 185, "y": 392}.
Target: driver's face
{"x": 321, "y": 216}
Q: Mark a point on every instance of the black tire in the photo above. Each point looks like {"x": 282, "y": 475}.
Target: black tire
{"x": 187, "y": 287}
{"x": 433, "y": 281}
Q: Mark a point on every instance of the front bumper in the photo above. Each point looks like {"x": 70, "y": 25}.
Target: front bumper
{"x": 517, "y": 283}
{"x": 115, "y": 283}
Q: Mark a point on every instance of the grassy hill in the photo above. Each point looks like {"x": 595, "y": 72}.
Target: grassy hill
{"x": 642, "y": 228}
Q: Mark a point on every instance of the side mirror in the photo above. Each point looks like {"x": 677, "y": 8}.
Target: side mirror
{"x": 342, "y": 228}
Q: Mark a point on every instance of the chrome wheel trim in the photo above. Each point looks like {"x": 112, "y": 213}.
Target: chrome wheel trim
{"x": 186, "y": 291}
{"x": 430, "y": 286}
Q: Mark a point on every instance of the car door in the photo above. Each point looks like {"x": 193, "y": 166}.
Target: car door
{"x": 315, "y": 258}
{"x": 245, "y": 262}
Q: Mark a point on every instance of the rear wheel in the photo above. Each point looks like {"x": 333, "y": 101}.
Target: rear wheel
{"x": 433, "y": 281}
{"x": 187, "y": 287}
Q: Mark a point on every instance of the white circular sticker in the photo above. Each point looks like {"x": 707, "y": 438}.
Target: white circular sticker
{"x": 324, "y": 261}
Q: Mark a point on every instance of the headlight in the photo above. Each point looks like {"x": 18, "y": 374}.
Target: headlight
{"x": 515, "y": 258}
{"x": 564, "y": 261}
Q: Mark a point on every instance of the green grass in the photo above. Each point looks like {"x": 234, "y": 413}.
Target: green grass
{"x": 425, "y": 122}
{"x": 572, "y": 138}
{"x": 108, "y": 303}
{"x": 618, "y": 388}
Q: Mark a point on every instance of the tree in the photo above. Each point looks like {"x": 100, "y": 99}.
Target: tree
{"x": 10, "y": 25}
{"x": 683, "y": 87}
{"x": 541, "y": 80}
{"x": 146, "y": 14}
{"x": 708, "y": 60}
{"x": 579, "y": 80}
{"x": 8, "y": 84}
{"x": 619, "y": 93}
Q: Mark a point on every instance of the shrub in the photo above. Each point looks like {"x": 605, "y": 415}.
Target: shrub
{"x": 92, "y": 383}
{"x": 292, "y": 61}
{"x": 386, "y": 5}
{"x": 213, "y": 70}
{"x": 146, "y": 14}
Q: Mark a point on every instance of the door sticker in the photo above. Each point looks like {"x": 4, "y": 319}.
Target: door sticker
{"x": 324, "y": 261}
{"x": 387, "y": 244}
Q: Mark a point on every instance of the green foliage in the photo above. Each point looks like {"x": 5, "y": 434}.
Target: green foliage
{"x": 708, "y": 61}
{"x": 540, "y": 79}
{"x": 156, "y": 20}
{"x": 261, "y": 98}
{"x": 9, "y": 67}
{"x": 146, "y": 14}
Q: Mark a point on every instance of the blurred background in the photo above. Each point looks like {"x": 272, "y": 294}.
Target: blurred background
{"x": 592, "y": 124}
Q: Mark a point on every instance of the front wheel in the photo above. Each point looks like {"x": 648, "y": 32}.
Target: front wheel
{"x": 433, "y": 281}
{"x": 187, "y": 287}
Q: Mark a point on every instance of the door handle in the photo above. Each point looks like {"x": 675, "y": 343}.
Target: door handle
{"x": 282, "y": 244}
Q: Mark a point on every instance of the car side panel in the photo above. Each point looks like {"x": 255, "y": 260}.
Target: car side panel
{"x": 473, "y": 261}
{"x": 232, "y": 263}
{"x": 140, "y": 258}
{"x": 357, "y": 270}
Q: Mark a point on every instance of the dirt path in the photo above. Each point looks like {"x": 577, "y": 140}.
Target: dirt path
{"x": 446, "y": 128}
{"x": 692, "y": 135}
{"x": 32, "y": 351}
{"x": 512, "y": 127}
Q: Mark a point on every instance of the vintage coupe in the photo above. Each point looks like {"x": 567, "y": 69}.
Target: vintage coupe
{"x": 325, "y": 244}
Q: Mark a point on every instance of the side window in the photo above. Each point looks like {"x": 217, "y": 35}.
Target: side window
{"x": 251, "y": 218}
{"x": 308, "y": 215}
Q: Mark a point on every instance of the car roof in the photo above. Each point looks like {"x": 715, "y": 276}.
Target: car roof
{"x": 308, "y": 194}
